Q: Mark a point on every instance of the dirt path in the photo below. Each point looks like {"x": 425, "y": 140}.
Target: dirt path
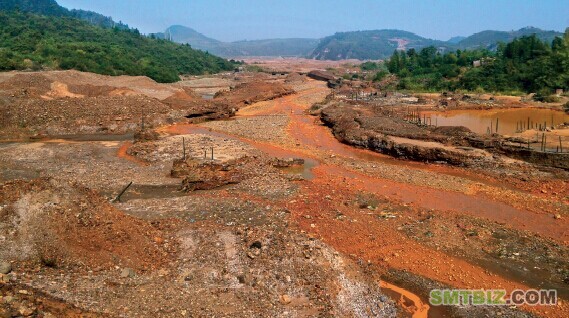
{"x": 336, "y": 182}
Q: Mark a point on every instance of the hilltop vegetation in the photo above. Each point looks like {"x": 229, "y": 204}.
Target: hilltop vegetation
{"x": 51, "y": 8}
{"x": 380, "y": 44}
{"x": 489, "y": 39}
{"x": 371, "y": 45}
{"x": 30, "y": 41}
{"x": 526, "y": 64}
{"x": 43, "y": 7}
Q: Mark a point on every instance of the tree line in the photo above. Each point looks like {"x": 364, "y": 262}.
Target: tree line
{"x": 526, "y": 64}
{"x": 31, "y": 41}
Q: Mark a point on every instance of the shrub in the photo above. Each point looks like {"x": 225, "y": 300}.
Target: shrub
{"x": 544, "y": 95}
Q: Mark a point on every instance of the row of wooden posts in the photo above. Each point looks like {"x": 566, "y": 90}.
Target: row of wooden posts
{"x": 414, "y": 116}
{"x": 205, "y": 152}
{"x": 543, "y": 143}
{"x": 490, "y": 130}
{"x": 522, "y": 126}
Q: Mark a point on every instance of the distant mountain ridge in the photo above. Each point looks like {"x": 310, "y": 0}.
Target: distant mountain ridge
{"x": 380, "y": 44}
{"x": 362, "y": 45}
{"x": 489, "y": 38}
{"x": 456, "y": 39}
{"x": 270, "y": 47}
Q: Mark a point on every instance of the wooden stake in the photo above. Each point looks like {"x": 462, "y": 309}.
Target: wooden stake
{"x": 184, "y": 147}
{"x": 528, "y": 123}
{"x": 497, "y": 125}
{"x": 118, "y": 198}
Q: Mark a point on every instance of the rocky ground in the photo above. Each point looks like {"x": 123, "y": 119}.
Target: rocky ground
{"x": 284, "y": 220}
{"x": 43, "y": 104}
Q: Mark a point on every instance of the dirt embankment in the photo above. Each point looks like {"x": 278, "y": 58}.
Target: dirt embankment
{"x": 252, "y": 92}
{"x": 62, "y": 225}
{"x": 383, "y": 131}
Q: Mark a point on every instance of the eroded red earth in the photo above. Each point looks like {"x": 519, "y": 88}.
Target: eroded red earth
{"x": 327, "y": 196}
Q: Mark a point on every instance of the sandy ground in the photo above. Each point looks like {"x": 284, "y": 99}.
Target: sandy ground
{"x": 300, "y": 65}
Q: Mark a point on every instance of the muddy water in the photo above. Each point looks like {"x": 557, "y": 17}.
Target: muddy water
{"x": 479, "y": 121}
{"x": 147, "y": 191}
{"x": 305, "y": 170}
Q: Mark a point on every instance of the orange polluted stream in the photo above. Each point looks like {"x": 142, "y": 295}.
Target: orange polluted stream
{"x": 302, "y": 126}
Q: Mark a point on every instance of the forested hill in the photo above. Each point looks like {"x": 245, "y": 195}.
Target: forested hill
{"x": 380, "y": 44}
{"x": 44, "y": 7}
{"x": 489, "y": 39}
{"x": 32, "y": 41}
{"x": 376, "y": 44}
{"x": 51, "y": 8}
{"x": 527, "y": 64}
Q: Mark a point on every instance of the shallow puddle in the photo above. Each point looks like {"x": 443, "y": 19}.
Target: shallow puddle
{"x": 305, "y": 170}
{"x": 146, "y": 191}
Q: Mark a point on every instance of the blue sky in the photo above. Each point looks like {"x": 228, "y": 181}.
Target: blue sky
{"x": 257, "y": 19}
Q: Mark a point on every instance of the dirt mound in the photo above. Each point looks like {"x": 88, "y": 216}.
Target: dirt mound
{"x": 141, "y": 85}
{"x": 207, "y": 175}
{"x": 294, "y": 78}
{"x": 112, "y": 114}
{"x": 90, "y": 90}
{"x": 25, "y": 85}
{"x": 182, "y": 99}
{"x": 255, "y": 91}
{"x": 65, "y": 225}
{"x": 60, "y": 90}
{"x": 38, "y": 84}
